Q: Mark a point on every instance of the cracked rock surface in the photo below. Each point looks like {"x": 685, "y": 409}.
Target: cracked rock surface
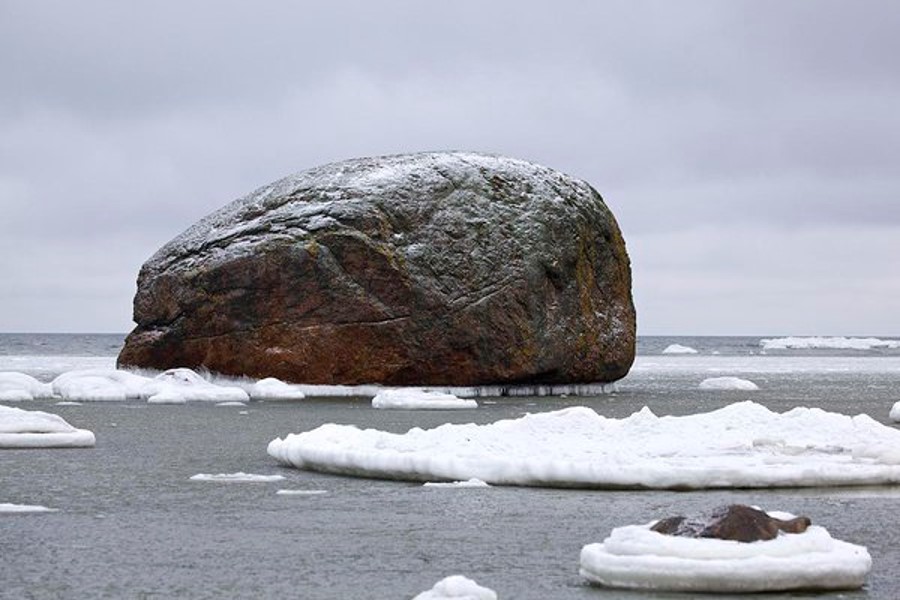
{"x": 442, "y": 268}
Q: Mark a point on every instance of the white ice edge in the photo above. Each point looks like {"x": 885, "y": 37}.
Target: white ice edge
{"x": 636, "y": 557}
{"x": 741, "y": 445}
{"x": 728, "y": 383}
{"x": 826, "y": 342}
{"x": 301, "y": 492}
{"x": 36, "y": 429}
{"x": 419, "y": 399}
{"x": 469, "y": 483}
{"x": 6, "y": 507}
{"x": 239, "y": 477}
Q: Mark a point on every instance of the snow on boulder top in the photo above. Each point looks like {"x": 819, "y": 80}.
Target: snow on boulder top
{"x": 741, "y": 445}
{"x": 679, "y": 349}
{"x": 414, "y": 398}
{"x": 835, "y": 343}
{"x": 431, "y": 269}
{"x": 728, "y": 383}
{"x": 635, "y": 556}
{"x": 35, "y": 429}
{"x": 457, "y": 587}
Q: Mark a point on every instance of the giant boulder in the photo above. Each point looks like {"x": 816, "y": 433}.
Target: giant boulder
{"x": 435, "y": 268}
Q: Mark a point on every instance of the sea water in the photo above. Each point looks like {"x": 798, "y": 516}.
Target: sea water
{"x": 131, "y": 523}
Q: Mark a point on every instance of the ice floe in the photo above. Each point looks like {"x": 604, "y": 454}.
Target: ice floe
{"x": 457, "y": 587}
{"x": 17, "y": 387}
{"x": 301, "y": 492}
{"x": 35, "y": 429}
{"x": 634, "y": 556}
{"x": 679, "y": 349}
{"x": 175, "y": 386}
{"x": 6, "y": 507}
{"x": 416, "y": 398}
{"x": 835, "y": 343}
{"x": 271, "y": 388}
{"x": 740, "y": 445}
{"x": 239, "y": 477}
{"x": 895, "y": 412}
{"x": 468, "y": 483}
{"x": 728, "y": 383}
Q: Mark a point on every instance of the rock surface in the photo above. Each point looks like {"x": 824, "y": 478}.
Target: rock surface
{"x": 736, "y": 522}
{"x": 422, "y": 269}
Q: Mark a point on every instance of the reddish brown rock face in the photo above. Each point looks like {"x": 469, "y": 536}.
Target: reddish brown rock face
{"x": 426, "y": 269}
{"x": 737, "y": 522}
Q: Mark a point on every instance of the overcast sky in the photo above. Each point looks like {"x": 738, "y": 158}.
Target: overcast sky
{"x": 750, "y": 150}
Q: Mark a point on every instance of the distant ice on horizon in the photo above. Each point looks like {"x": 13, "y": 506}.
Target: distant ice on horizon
{"x": 837, "y": 343}
{"x": 457, "y": 587}
{"x": 743, "y": 445}
{"x": 636, "y": 557}
{"x": 679, "y": 349}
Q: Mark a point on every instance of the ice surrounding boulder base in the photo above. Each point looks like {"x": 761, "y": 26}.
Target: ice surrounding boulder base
{"x": 431, "y": 269}
{"x": 741, "y": 445}
{"x": 35, "y": 429}
{"x": 414, "y": 398}
{"x": 728, "y": 383}
{"x": 457, "y": 587}
{"x": 17, "y": 387}
{"x": 636, "y": 557}
{"x": 175, "y": 386}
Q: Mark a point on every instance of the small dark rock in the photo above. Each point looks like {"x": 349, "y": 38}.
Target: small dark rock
{"x": 736, "y": 522}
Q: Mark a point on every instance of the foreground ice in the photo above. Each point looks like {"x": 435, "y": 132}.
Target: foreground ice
{"x": 634, "y": 556}
{"x": 16, "y": 387}
{"x": 836, "y": 343}
{"x": 728, "y": 383}
{"x": 679, "y": 349}
{"x": 741, "y": 445}
{"x": 457, "y": 587}
{"x": 24, "y": 508}
{"x": 239, "y": 477}
{"x": 35, "y": 429}
{"x": 415, "y": 398}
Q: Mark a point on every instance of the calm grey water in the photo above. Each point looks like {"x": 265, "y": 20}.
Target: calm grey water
{"x": 132, "y": 525}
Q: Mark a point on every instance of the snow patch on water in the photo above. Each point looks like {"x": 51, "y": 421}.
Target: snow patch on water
{"x": 740, "y": 445}
{"x": 728, "y": 383}
{"x": 6, "y": 507}
{"x": 417, "y": 398}
{"x": 834, "y": 343}
{"x": 679, "y": 349}
{"x": 35, "y": 429}
{"x": 239, "y": 477}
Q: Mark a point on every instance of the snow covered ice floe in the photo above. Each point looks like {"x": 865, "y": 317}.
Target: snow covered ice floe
{"x": 175, "y": 386}
{"x": 741, "y": 445}
{"x": 271, "y": 388}
{"x": 895, "y": 412}
{"x": 6, "y": 507}
{"x": 17, "y": 387}
{"x": 457, "y": 587}
{"x": 728, "y": 383}
{"x": 416, "y": 398}
{"x": 679, "y": 349}
{"x": 236, "y": 477}
{"x": 634, "y": 556}
{"x": 35, "y": 429}
{"x": 834, "y": 343}
{"x": 301, "y": 492}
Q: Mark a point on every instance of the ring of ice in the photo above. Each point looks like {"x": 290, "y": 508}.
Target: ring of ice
{"x": 634, "y": 556}
{"x": 741, "y": 445}
{"x": 35, "y": 429}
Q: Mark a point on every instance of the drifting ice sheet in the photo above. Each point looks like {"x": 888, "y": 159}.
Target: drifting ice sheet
{"x": 741, "y": 445}
{"x": 16, "y": 387}
{"x": 24, "y": 508}
{"x": 457, "y": 587}
{"x": 679, "y": 349}
{"x": 414, "y": 398}
{"x": 637, "y": 557}
{"x": 175, "y": 386}
{"x": 35, "y": 429}
{"x": 728, "y": 383}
